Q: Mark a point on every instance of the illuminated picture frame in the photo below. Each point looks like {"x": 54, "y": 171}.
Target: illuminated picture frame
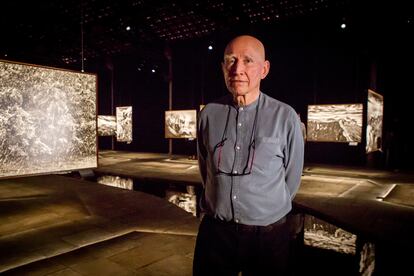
{"x": 47, "y": 118}
{"x": 335, "y": 123}
{"x": 375, "y": 115}
{"x": 106, "y": 125}
{"x": 124, "y": 124}
{"x": 181, "y": 124}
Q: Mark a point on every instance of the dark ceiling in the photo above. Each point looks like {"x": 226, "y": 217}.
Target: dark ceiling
{"x": 62, "y": 32}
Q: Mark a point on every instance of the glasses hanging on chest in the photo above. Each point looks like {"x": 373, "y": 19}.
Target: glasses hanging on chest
{"x": 247, "y": 169}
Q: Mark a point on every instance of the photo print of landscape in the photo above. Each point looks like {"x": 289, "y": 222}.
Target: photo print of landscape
{"x": 335, "y": 123}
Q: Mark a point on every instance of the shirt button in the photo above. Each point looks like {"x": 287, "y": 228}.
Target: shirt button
{"x": 241, "y": 108}
{"x": 237, "y": 147}
{"x": 234, "y": 171}
{"x": 239, "y": 124}
{"x": 236, "y": 220}
{"x": 234, "y": 197}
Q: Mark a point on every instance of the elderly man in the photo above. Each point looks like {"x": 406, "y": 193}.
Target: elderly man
{"x": 250, "y": 151}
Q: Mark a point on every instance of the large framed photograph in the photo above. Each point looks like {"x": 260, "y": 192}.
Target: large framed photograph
{"x": 181, "y": 124}
{"x": 335, "y": 123}
{"x": 375, "y": 114}
{"x": 47, "y": 118}
{"x": 124, "y": 124}
{"x": 106, "y": 125}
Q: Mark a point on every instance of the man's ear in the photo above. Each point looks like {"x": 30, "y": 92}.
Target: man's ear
{"x": 266, "y": 68}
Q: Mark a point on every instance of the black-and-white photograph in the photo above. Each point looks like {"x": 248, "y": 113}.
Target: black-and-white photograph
{"x": 124, "y": 124}
{"x": 180, "y": 124}
{"x": 375, "y": 113}
{"x": 335, "y": 123}
{"x": 47, "y": 118}
{"x": 106, "y": 125}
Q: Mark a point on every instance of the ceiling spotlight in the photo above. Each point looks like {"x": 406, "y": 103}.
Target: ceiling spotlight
{"x": 128, "y": 28}
{"x": 210, "y": 47}
{"x": 343, "y": 26}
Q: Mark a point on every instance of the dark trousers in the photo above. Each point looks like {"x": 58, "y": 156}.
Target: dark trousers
{"x": 226, "y": 248}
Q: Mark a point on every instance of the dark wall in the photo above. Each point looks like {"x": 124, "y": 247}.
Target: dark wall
{"x": 135, "y": 85}
{"x": 312, "y": 62}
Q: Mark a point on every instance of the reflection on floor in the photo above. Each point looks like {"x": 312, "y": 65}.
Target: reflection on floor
{"x": 116, "y": 181}
{"x": 321, "y": 234}
{"x": 186, "y": 201}
{"x": 354, "y": 201}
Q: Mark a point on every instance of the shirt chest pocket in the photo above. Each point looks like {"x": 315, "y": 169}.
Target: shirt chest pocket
{"x": 269, "y": 153}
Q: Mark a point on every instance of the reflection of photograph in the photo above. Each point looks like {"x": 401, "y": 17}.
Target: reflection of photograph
{"x": 185, "y": 201}
{"x": 375, "y": 111}
{"x": 335, "y": 123}
{"x": 116, "y": 181}
{"x": 47, "y": 119}
{"x": 124, "y": 124}
{"x": 180, "y": 124}
{"x": 320, "y": 234}
{"x": 106, "y": 125}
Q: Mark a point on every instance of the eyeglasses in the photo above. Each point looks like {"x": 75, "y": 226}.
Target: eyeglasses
{"x": 251, "y": 149}
{"x": 249, "y": 165}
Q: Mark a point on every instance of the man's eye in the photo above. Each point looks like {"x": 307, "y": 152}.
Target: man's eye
{"x": 230, "y": 61}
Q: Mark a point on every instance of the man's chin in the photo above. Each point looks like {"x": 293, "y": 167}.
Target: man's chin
{"x": 237, "y": 93}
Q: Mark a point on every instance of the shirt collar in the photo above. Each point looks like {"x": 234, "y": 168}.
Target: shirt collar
{"x": 248, "y": 107}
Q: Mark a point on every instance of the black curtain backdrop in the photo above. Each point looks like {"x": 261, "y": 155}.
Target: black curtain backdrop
{"x": 312, "y": 62}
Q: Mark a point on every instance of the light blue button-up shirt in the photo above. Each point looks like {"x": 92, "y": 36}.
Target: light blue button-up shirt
{"x": 271, "y": 169}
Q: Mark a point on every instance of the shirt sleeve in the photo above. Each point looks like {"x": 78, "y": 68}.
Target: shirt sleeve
{"x": 201, "y": 151}
{"x": 294, "y": 157}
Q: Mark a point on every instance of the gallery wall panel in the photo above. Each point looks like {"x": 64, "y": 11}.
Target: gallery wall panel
{"x": 124, "y": 124}
{"x": 106, "y": 125}
{"x": 375, "y": 115}
{"x": 335, "y": 123}
{"x": 47, "y": 118}
{"x": 181, "y": 124}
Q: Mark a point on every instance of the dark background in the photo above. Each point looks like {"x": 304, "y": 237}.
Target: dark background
{"x": 313, "y": 60}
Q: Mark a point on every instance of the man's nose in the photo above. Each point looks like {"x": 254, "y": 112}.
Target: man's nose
{"x": 238, "y": 67}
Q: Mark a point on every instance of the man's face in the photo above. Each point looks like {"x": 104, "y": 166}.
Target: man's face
{"x": 244, "y": 66}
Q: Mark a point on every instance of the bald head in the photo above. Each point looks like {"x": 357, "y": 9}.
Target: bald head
{"x": 244, "y": 66}
{"x": 246, "y": 41}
